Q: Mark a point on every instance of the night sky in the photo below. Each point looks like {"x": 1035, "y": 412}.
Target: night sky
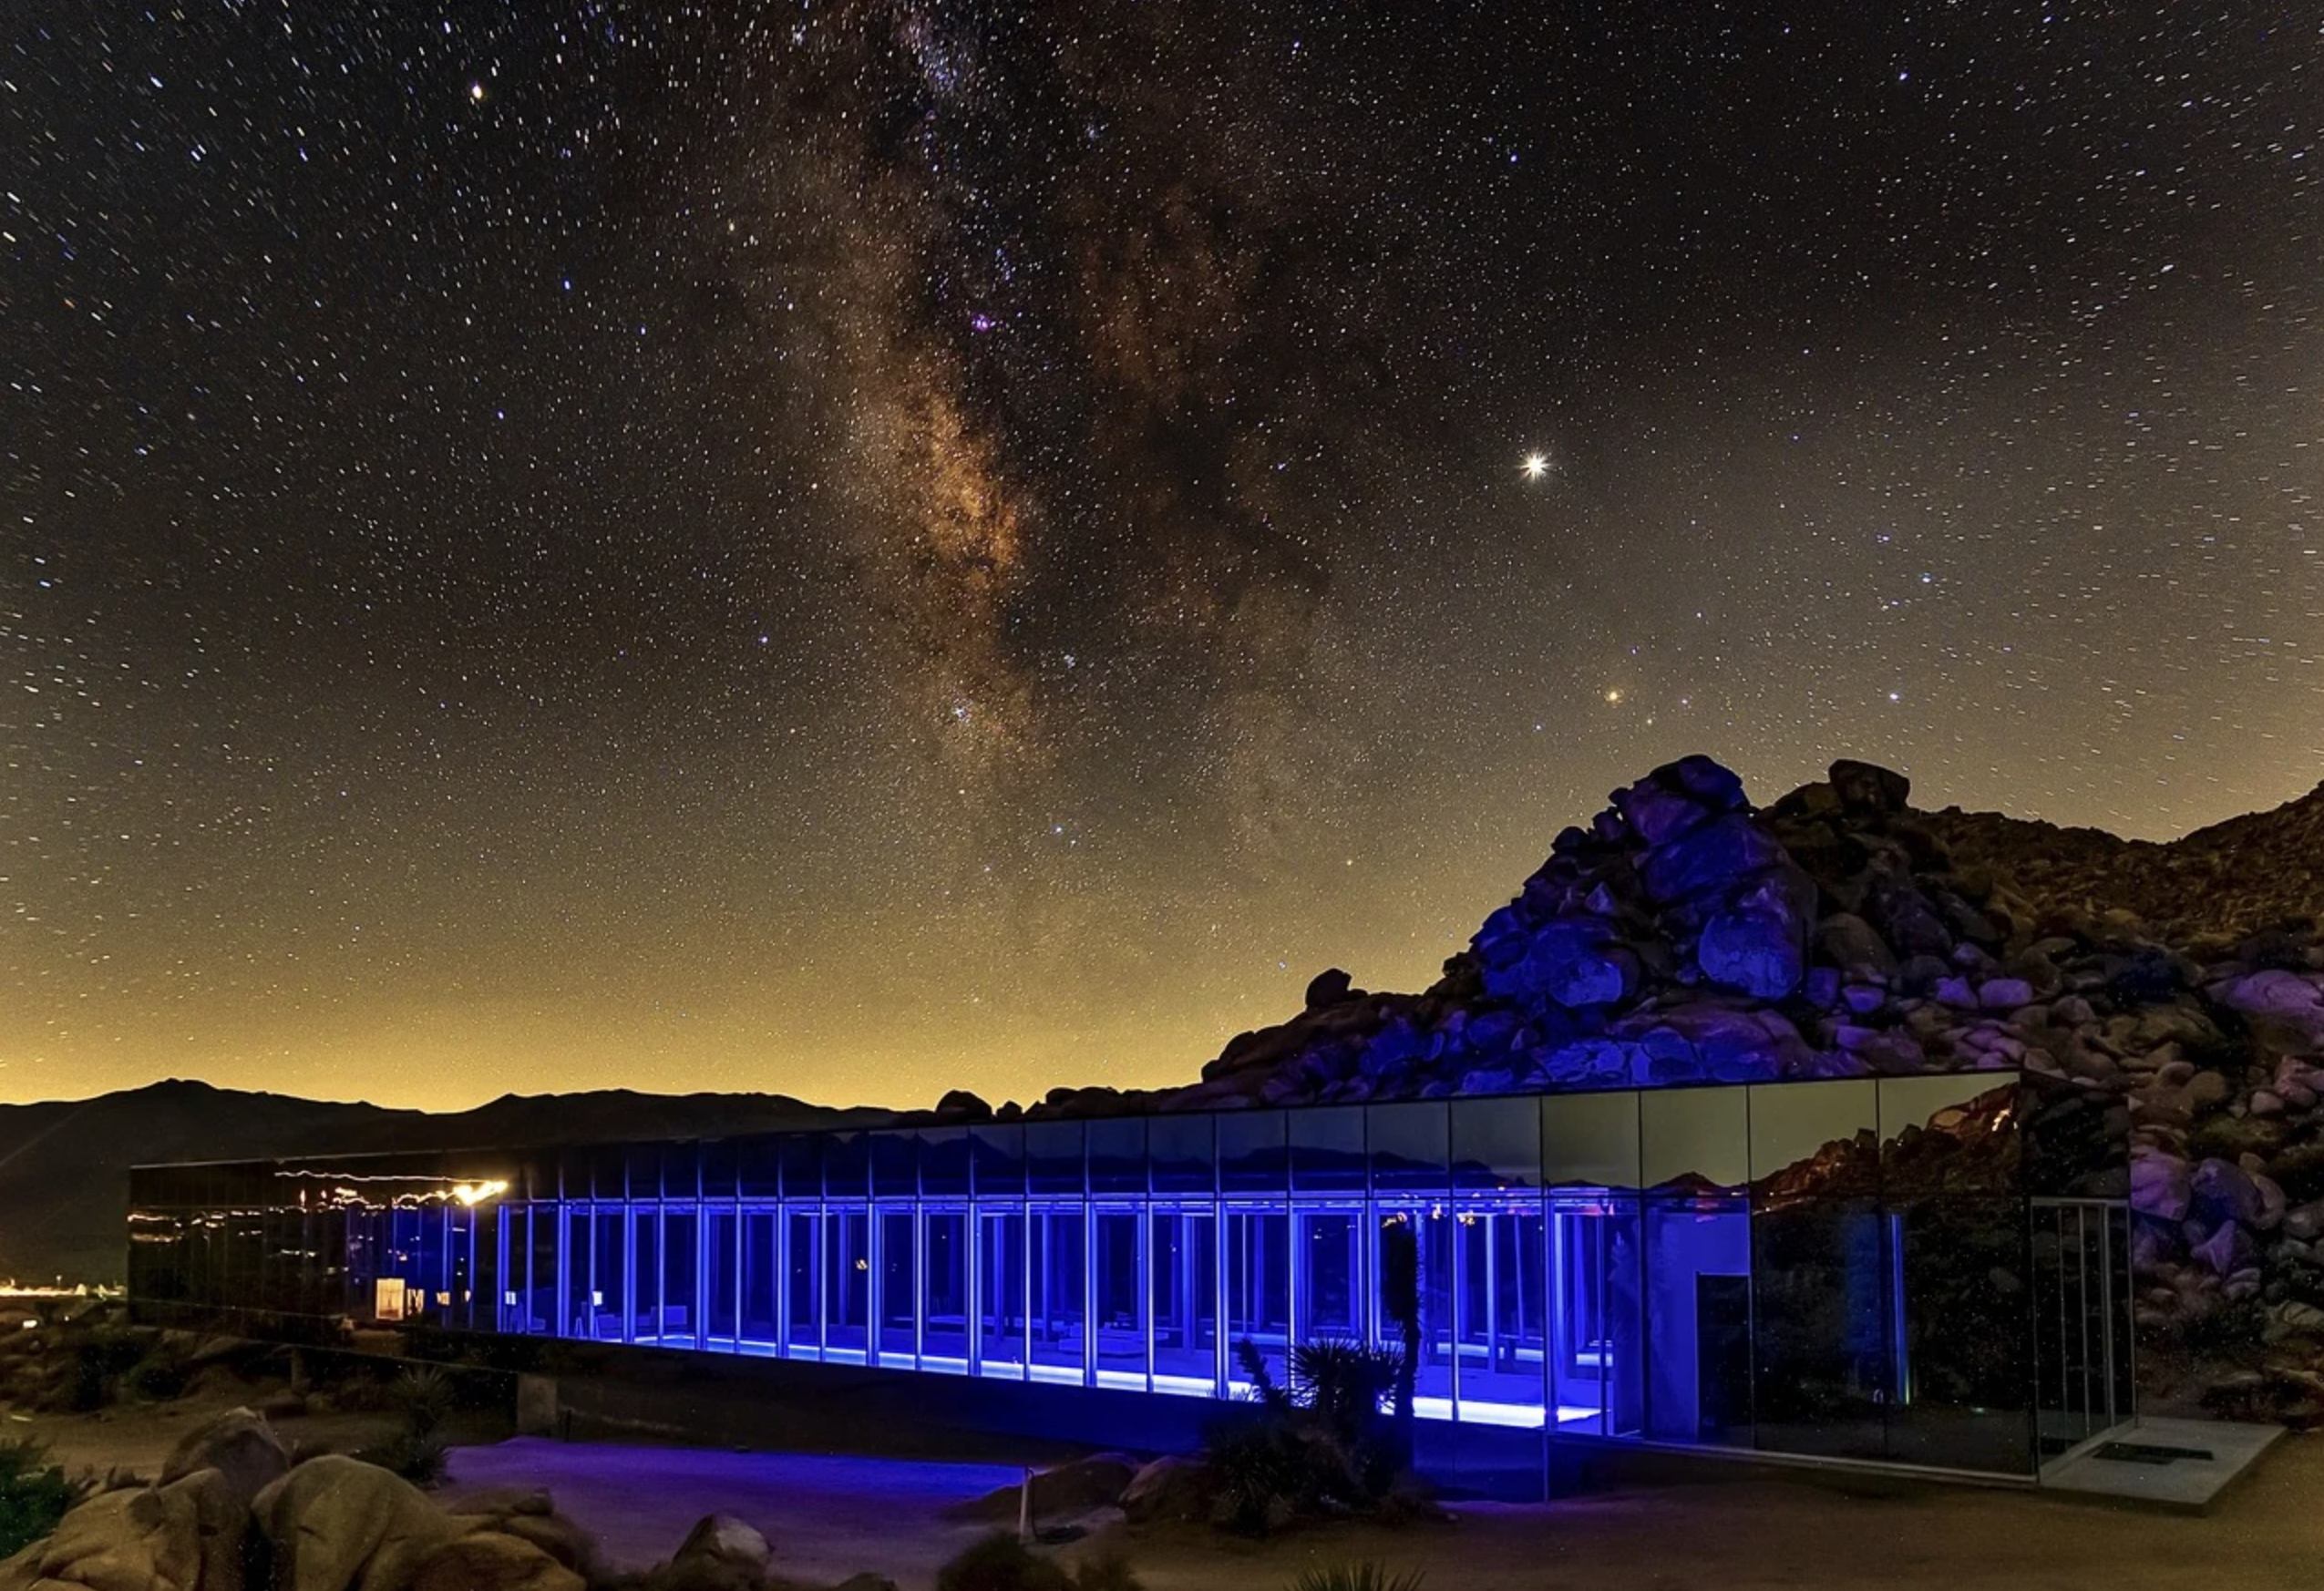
{"x": 853, "y": 548}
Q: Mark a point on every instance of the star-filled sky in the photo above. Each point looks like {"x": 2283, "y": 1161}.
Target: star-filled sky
{"x": 855, "y": 547}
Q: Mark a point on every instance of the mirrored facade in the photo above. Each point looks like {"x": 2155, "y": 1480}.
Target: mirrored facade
{"x": 1856, "y": 1271}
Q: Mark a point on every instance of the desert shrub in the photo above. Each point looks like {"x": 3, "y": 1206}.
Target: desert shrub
{"x": 161, "y": 1372}
{"x": 424, "y": 1397}
{"x": 1365, "y": 1575}
{"x": 419, "y": 1457}
{"x": 100, "y": 1360}
{"x": 421, "y": 1450}
{"x": 1259, "y": 1476}
{"x": 999, "y": 1561}
{"x": 33, "y": 1494}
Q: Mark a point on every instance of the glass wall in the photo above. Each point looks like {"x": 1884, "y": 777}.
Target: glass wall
{"x": 1835, "y": 1269}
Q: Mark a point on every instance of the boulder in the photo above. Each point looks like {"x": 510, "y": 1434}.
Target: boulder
{"x": 1172, "y": 1488}
{"x": 720, "y": 1554}
{"x": 1849, "y": 942}
{"x": 239, "y": 1444}
{"x": 960, "y": 1105}
{"x": 339, "y": 1525}
{"x": 1866, "y": 787}
{"x": 556, "y": 1535}
{"x": 185, "y": 1536}
{"x": 1756, "y": 952}
{"x": 499, "y": 1503}
{"x": 2159, "y": 1185}
{"x": 1329, "y": 987}
{"x": 487, "y": 1560}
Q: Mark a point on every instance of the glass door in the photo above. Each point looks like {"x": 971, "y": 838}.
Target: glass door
{"x": 2081, "y": 1320}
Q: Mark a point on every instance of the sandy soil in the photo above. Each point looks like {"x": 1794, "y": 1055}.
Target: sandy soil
{"x": 831, "y": 1516}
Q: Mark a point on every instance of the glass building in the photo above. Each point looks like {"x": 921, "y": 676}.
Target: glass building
{"x": 1925, "y": 1270}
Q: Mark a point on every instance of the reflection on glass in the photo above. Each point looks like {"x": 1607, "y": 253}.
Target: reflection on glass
{"x": 1694, "y": 1140}
{"x": 1497, "y": 1143}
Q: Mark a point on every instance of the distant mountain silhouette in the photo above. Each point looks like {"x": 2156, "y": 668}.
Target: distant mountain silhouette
{"x": 64, "y": 1166}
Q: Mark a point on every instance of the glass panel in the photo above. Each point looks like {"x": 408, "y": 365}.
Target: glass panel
{"x": 608, "y": 1172}
{"x": 1251, "y": 1154}
{"x": 1118, "y": 1154}
{"x": 802, "y": 1158}
{"x": 1504, "y": 1332}
{"x": 762, "y": 1279}
{"x": 541, "y": 1282}
{"x": 944, "y": 1162}
{"x": 645, "y": 1258}
{"x": 1590, "y": 1140}
{"x": 1698, "y": 1313}
{"x": 1185, "y": 1294}
{"x": 1327, "y": 1149}
{"x": 1949, "y": 1135}
{"x": 645, "y": 1171}
{"x": 847, "y": 1167}
{"x": 895, "y": 1163}
{"x": 1060, "y": 1296}
{"x": 680, "y": 1265}
{"x": 760, "y": 1173}
{"x": 1182, "y": 1153}
{"x": 1496, "y": 1143}
{"x": 1963, "y": 1364}
{"x": 1259, "y": 1290}
{"x": 1054, "y": 1156}
{"x": 1423, "y": 1234}
{"x": 719, "y": 1169}
{"x": 722, "y": 1280}
{"x": 1328, "y": 1281}
{"x": 1000, "y": 1278}
{"x": 1820, "y": 1322}
{"x": 609, "y": 1287}
{"x": 1121, "y": 1297}
{"x": 2076, "y": 1140}
{"x": 1411, "y": 1148}
{"x": 997, "y": 1154}
{"x": 579, "y": 1314}
{"x": 1813, "y": 1140}
{"x": 899, "y": 1282}
{"x": 847, "y": 1282}
{"x": 682, "y": 1171}
{"x": 1694, "y": 1140}
{"x": 944, "y": 1289}
{"x": 803, "y": 1284}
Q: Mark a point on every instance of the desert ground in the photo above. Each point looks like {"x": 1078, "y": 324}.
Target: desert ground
{"x": 831, "y": 1516}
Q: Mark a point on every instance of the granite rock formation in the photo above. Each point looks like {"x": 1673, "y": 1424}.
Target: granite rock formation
{"x": 1686, "y": 935}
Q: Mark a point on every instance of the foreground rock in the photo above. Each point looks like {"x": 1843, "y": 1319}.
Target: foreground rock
{"x": 185, "y": 1536}
{"x": 239, "y": 1445}
{"x": 336, "y": 1524}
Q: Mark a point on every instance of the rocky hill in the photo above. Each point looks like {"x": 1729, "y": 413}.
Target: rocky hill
{"x": 64, "y": 1166}
{"x": 1688, "y": 935}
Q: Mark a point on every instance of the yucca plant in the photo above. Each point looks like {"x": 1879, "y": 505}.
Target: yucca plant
{"x": 1364, "y": 1574}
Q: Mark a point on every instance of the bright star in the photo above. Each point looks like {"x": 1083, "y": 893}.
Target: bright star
{"x": 1536, "y": 466}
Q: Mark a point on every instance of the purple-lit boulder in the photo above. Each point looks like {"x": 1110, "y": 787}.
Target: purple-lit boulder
{"x": 1756, "y": 952}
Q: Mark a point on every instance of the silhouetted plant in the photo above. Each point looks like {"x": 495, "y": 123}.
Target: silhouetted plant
{"x": 420, "y": 1451}
{"x": 1364, "y": 1574}
{"x": 35, "y": 1493}
{"x": 1400, "y": 1299}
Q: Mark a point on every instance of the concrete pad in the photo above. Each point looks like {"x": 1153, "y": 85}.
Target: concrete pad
{"x": 2164, "y": 1462}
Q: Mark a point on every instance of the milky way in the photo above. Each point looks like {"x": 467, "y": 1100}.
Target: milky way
{"x": 853, "y": 548}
